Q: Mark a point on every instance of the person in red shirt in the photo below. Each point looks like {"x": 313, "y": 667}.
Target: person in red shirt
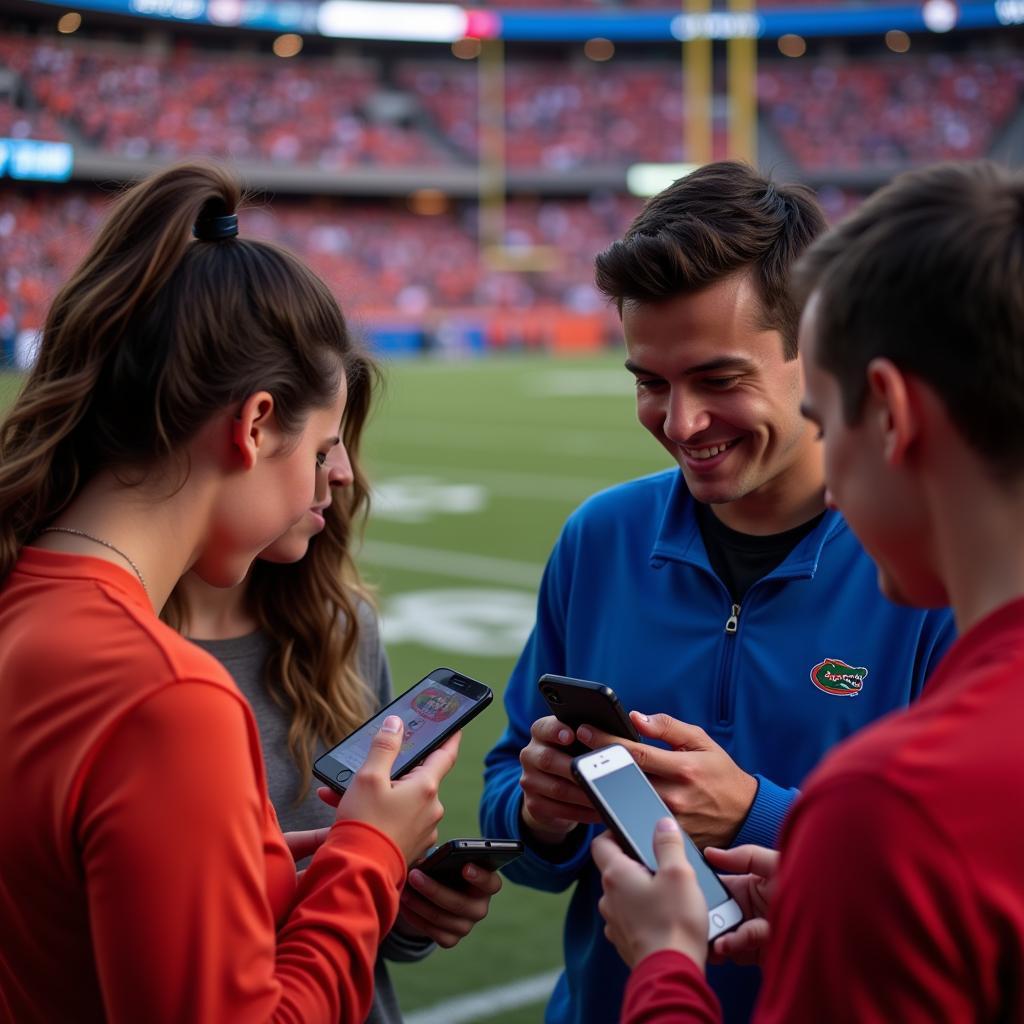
{"x": 897, "y": 891}
{"x": 187, "y": 394}
{"x": 301, "y": 639}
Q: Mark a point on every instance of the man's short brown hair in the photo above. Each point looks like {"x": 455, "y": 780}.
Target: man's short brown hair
{"x": 721, "y": 220}
{"x": 929, "y": 273}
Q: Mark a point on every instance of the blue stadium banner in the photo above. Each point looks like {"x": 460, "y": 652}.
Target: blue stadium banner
{"x": 366, "y": 19}
{"x": 32, "y": 160}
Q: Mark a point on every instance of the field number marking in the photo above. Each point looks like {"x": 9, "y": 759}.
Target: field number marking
{"x": 417, "y": 499}
{"x": 492, "y": 623}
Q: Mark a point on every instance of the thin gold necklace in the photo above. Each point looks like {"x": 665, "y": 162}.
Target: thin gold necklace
{"x": 99, "y": 540}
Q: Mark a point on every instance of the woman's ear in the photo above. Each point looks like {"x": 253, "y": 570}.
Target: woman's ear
{"x": 890, "y": 401}
{"x": 252, "y": 427}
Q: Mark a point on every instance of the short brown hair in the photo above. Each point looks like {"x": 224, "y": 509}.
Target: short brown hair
{"x": 929, "y": 273}
{"x": 721, "y": 220}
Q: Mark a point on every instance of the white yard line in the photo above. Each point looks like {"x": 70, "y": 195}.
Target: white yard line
{"x": 451, "y": 563}
{"x": 480, "y": 1006}
{"x": 594, "y": 443}
{"x": 507, "y": 484}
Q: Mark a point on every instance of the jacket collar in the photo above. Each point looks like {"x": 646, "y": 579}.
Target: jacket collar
{"x": 679, "y": 539}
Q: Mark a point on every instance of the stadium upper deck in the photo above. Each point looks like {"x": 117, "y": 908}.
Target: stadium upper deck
{"x": 841, "y": 112}
{"x": 347, "y": 113}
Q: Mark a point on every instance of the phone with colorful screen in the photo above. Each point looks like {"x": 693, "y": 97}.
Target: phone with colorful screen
{"x": 437, "y": 706}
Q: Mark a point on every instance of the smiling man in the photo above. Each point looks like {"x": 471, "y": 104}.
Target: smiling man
{"x": 897, "y": 895}
{"x": 739, "y": 619}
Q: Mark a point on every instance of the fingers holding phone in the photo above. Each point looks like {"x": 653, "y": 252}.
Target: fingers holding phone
{"x": 752, "y": 885}
{"x": 646, "y": 831}
{"x": 553, "y": 804}
{"x": 706, "y": 790}
{"x": 391, "y": 767}
{"x": 407, "y": 809}
{"x": 646, "y": 913}
{"x": 583, "y": 702}
{"x": 442, "y": 913}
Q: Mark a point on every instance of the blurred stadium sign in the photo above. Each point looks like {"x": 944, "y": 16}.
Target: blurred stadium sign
{"x": 717, "y": 25}
{"x": 29, "y": 160}
{"x": 427, "y": 23}
{"x": 650, "y": 179}
{"x": 939, "y": 15}
{"x": 183, "y": 10}
{"x": 1010, "y": 12}
{"x": 446, "y": 23}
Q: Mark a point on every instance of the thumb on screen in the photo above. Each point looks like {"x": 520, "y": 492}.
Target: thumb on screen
{"x": 384, "y": 747}
{"x": 668, "y": 845}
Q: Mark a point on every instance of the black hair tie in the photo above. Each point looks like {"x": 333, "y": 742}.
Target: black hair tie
{"x": 215, "y": 229}
{"x": 214, "y": 222}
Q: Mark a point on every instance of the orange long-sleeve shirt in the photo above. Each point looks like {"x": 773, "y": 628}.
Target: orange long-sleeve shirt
{"x": 143, "y": 875}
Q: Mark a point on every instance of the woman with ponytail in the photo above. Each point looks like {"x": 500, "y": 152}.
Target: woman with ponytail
{"x": 302, "y": 641}
{"x": 188, "y": 392}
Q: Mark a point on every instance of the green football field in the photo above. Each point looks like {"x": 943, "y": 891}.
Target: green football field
{"x": 476, "y": 464}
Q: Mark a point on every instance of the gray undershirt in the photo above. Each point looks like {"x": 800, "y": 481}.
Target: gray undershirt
{"x": 244, "y": 657}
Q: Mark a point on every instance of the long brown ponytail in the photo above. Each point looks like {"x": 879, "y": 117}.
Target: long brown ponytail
{"x": 153, "y": 334}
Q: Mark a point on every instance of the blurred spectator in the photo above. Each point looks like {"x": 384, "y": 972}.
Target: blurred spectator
{"x": 889, "y": 112}
{"x": 561, "y": 115}
{"x": 16, "y": 123}
{"x": 136, "y": 103}
{"x": 376, "y": 256}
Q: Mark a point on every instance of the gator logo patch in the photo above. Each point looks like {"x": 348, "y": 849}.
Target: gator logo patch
{"x": 837, "y": 678}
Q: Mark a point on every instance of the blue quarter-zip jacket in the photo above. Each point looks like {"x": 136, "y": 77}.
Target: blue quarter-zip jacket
{"x": 629, "y": 599}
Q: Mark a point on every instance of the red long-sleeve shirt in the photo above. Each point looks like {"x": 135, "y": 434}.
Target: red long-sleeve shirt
{"x": 142, "y": 872}
{"x": 901, "y": 890}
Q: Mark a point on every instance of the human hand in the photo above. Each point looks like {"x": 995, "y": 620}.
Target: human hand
{"x": 445, "y": 915}
{"x": 553, "y": 805}
{"x": 700, "y": 783}
{"x": 305, "y": 843}
{"x": 407, "y": 810}
{"x": 752, "y": 886}
{"x": 645, "y": 913}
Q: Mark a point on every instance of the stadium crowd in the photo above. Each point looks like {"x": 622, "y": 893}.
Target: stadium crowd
{"x": 560, "y": 116}
{"x": 376, "y": 256}
{"x": 125, "y": 100}
{"x": 855, "y": 114}
{"x": 333, "y": 114}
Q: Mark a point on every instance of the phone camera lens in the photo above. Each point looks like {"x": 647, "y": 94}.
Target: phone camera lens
{"x": 552, "y": 696}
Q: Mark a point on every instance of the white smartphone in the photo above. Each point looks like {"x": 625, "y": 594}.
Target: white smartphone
{"x": 630, "y": 807}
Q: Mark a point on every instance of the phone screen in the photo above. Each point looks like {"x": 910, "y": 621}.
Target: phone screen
{"x": 429, "y": 710}
{"x": 633, "y": 802}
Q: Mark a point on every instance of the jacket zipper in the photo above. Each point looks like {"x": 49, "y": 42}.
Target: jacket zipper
{"x": 732, "y": 625}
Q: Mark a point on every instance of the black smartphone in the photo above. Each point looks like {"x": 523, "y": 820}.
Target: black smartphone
{"x": 576, "y": 702}
{"x": 630, "y": 807}
{"x": 437, "y": 706}
{"x": 444, "y": 863}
